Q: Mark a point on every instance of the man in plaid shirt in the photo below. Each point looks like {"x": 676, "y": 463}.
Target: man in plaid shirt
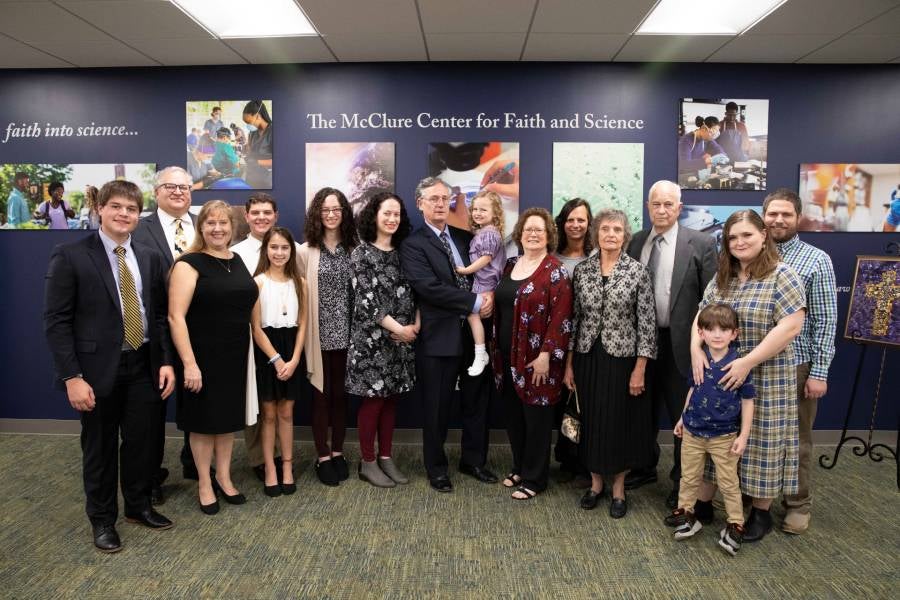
{"x": 814, "y": 347}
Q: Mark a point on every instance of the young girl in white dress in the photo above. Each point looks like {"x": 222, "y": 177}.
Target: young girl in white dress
{"x": 488, "y": 258}
{"x": 279, "y": 327}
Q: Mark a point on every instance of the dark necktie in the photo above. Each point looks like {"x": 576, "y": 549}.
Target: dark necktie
{"x": 653, "y": 261}
{"x": 131, "y": 310}
{"x": 462, "y": 281}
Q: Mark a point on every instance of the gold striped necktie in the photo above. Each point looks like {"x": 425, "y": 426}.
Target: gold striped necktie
{"x": 134, "y": 326}
{"x": 180, "y": 241}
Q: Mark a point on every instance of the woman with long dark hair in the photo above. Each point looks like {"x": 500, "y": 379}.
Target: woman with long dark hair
{"x": 381, "y": 361}
{"x": 258, "y": 153}
{"x": 325, "y": 263}
{"x": 279, "y": 325}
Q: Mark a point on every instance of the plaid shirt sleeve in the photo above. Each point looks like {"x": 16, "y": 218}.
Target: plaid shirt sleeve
{"x": 821, "y": 317}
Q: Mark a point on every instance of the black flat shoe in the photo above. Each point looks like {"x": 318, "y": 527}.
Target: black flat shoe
{"x": 590, "y": 499}
{"x": 288, "y": 488}
{"x": 209, "y": 509}
{"x": 106, "y": 539}
{"x": 150, "y": 518}
{"x": 441, "y": 484}
{"x": 238, "y": 498}
{"x": 272, "y": 491}
{"x": 341, "y": 468}
{"x": 480, "y": 473}
{"x": 326, "y": 472}
{"x": 618, "y": 507}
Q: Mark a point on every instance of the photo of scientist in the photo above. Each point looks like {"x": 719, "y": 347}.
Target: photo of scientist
{"x": 723, "y": 144}
{"x": 850, "y": 197}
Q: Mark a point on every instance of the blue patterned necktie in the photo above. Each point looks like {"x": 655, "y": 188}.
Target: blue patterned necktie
{"x": 462, "y": 282}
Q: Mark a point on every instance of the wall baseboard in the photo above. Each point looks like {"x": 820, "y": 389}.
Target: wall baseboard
{"x": 401, "y": 436}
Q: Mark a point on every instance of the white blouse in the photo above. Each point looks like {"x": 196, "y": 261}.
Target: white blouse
{"x": 277, "y": 302}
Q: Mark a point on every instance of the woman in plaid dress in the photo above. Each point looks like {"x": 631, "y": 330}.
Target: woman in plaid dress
{"x": 771, "y": 303}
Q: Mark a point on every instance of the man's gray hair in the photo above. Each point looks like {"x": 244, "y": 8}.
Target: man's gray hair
{"x": 429, "y": 182}
{"x": 664, "y": 185}
{"x": 171, "y": 169}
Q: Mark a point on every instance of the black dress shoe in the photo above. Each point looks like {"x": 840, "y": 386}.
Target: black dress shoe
{"x": 341, "y": 467}
{"x": 288, "y": 488}
{"x": 480, "y": 473}
{"x": 441, "y": 484}
{"x": 238, "y": 498}
{"x": 636, "y": 479}
{"x": 326, "y": 472}
{"x": 758, "y": 525}
{"x": 272, "y": 491}
{"x": 150, "y": 518}
{"x": 209, "y": 509}
{"x": 618, "y": 507}
{"x": 106, "y": 539}
{"x": 590, "y": 499}
{"x": 156, "y": 495}
{"x": 672, "y": 499}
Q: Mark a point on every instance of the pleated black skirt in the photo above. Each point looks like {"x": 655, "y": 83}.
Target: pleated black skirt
{"x": 616, "y": 426}
{"x": 269, "y": 388}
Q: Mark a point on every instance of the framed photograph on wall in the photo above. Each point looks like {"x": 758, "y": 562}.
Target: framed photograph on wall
{"x": 358, "y": 169}
{"x": 850, "y": 197}
{"x": 710, "y": 219}
{"x": 874, "y": 313}
{"x": 723, "y": 143}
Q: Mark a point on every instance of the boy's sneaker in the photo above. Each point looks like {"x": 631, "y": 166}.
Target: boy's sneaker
{"x": 703, "y": 511}
{"x": 731, "y": 538}
{"x": 686, "y": 524}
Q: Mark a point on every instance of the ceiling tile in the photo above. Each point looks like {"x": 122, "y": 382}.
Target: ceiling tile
{"x": 475, "y": 46}
{"x": 887, "y": 24}
{"x": 282, "y": 49}
{"x": 858, "y": 49}
{"x": 377, "y": 46}
{"x": 206, "y": 51}
{"x": 15, "y": 55}
{"x": 39, "y": 21}
{"x": 573, "y": 46}
{"x": 137, "y": 19}
{"x": 821, "y": 16}
{"x": 362, "y": 16}
{"x": 670, "y": 48}
{"x": 476, "y": 16}
{"x": 98, "y": 54}
{"x": 770, "y": 48}
{"x": 589, "y": 16}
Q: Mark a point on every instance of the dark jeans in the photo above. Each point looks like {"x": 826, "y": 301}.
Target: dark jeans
{"x": 132, "y": 407}
{"x": 330, "y": 405}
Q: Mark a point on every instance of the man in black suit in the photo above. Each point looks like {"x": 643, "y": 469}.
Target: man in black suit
{"x": 429, "y": 257}
{"x": 681, "y": 262}
{"x": 170, "y": 231}
{"x": 106, "y": 324}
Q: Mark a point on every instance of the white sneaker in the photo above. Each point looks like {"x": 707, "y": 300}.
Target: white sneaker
{"x": 478, "y": 365}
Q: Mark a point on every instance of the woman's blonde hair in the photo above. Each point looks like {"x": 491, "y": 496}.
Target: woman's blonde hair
{"x": 213, "y": 206}
{"x": 496, "y": 207}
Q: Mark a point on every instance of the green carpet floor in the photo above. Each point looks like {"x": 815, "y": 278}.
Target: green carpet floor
{"x": 356, "y": 541}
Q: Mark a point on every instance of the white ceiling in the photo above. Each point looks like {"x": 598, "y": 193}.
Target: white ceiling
{"x": 115, "y": 33}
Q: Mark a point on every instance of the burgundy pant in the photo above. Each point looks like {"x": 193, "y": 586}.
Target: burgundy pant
{"x": 376, "y": 415}
{"x": 330, "y": 405}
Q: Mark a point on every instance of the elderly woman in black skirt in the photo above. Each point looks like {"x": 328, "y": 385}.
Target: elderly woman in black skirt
{"x": 615, "y": 335}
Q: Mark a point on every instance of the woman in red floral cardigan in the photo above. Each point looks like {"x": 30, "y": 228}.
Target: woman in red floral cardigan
{"x": 532, "y": 325}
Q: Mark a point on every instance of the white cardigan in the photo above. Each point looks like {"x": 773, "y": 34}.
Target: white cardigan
{"x": 308, "y": 257}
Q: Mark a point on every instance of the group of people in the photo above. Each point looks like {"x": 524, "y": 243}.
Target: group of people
{"x": 55, "y": 212}
{"x": 619, "y": 326}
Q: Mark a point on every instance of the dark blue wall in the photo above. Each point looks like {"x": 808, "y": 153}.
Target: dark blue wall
{"x": 822, "y": 113}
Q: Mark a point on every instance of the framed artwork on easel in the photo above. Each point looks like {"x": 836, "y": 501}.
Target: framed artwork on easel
{"x": 874, "y": 314}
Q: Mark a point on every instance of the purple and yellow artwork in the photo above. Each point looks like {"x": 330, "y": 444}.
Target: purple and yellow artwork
{"x": 874, "y": 315}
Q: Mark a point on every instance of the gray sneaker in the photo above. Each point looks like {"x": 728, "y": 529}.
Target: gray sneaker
{"x": 369, "y": 471}
{"x": 389, "y": 467}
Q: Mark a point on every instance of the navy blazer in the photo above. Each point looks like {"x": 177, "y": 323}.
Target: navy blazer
{"x": 83, "y": 316}
{"x": 442, "y": 304}
{"x": 150, "y": 233}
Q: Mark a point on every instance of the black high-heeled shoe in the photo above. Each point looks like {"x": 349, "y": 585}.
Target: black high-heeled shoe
{"x": 272, "y": 491}
{"x": 209, "y": 509}
{"x": 238, "y": 498}
{"x": 288, "y": 488}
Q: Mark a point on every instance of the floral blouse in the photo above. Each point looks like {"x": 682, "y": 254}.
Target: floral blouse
{"x": 542, "y": 322}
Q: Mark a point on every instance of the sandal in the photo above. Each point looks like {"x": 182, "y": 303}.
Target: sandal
{"x": 528, "y": 494}
{"x": 512, "y": 480}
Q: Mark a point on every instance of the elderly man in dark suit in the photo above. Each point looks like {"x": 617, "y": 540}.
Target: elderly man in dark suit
{"x": 170, "y": 231}
{"x": 106, "y": 324}
{"x": 681, "y": 262}
{"x": 429, "y": 257}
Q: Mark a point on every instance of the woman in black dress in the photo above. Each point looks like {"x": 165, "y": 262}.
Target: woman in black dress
{"x": 211, "y": 295}
{"x": 615, "y": 335}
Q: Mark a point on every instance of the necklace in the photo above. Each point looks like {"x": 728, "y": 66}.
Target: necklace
{"x": 225, "y": 265}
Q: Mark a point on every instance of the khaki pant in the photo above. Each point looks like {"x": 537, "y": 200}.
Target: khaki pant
{"x": 693, "y": 458}
{"x": 253, "y": 442}
{"x": 806, "y": 415}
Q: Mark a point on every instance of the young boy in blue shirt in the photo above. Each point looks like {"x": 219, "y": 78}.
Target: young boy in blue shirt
{"x": 717, "y": 422}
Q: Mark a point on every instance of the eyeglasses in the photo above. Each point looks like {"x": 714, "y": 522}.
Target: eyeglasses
{"x": 330, "y": 211}
{"x": 437, "y": 199}
{"x": 171, "y": 187}
{"x": 534, "y": 231}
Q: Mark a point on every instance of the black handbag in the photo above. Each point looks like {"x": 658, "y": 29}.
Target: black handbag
{"x": 571, "y": 422}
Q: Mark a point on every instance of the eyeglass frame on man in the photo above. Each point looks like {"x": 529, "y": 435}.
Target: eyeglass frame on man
{"x": 171, "y": 187}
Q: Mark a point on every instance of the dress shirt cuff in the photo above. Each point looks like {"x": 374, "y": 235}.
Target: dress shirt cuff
{"x": 819, "y": 372}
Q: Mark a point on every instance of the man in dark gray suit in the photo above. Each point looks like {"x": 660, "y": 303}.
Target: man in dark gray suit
{"x": 170, "y": 231}
{"x": 681, "y": 262}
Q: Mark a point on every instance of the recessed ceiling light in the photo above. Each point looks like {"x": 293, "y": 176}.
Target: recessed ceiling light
{"x": 246, "y": 19}
{"x": 705, "y": 17}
